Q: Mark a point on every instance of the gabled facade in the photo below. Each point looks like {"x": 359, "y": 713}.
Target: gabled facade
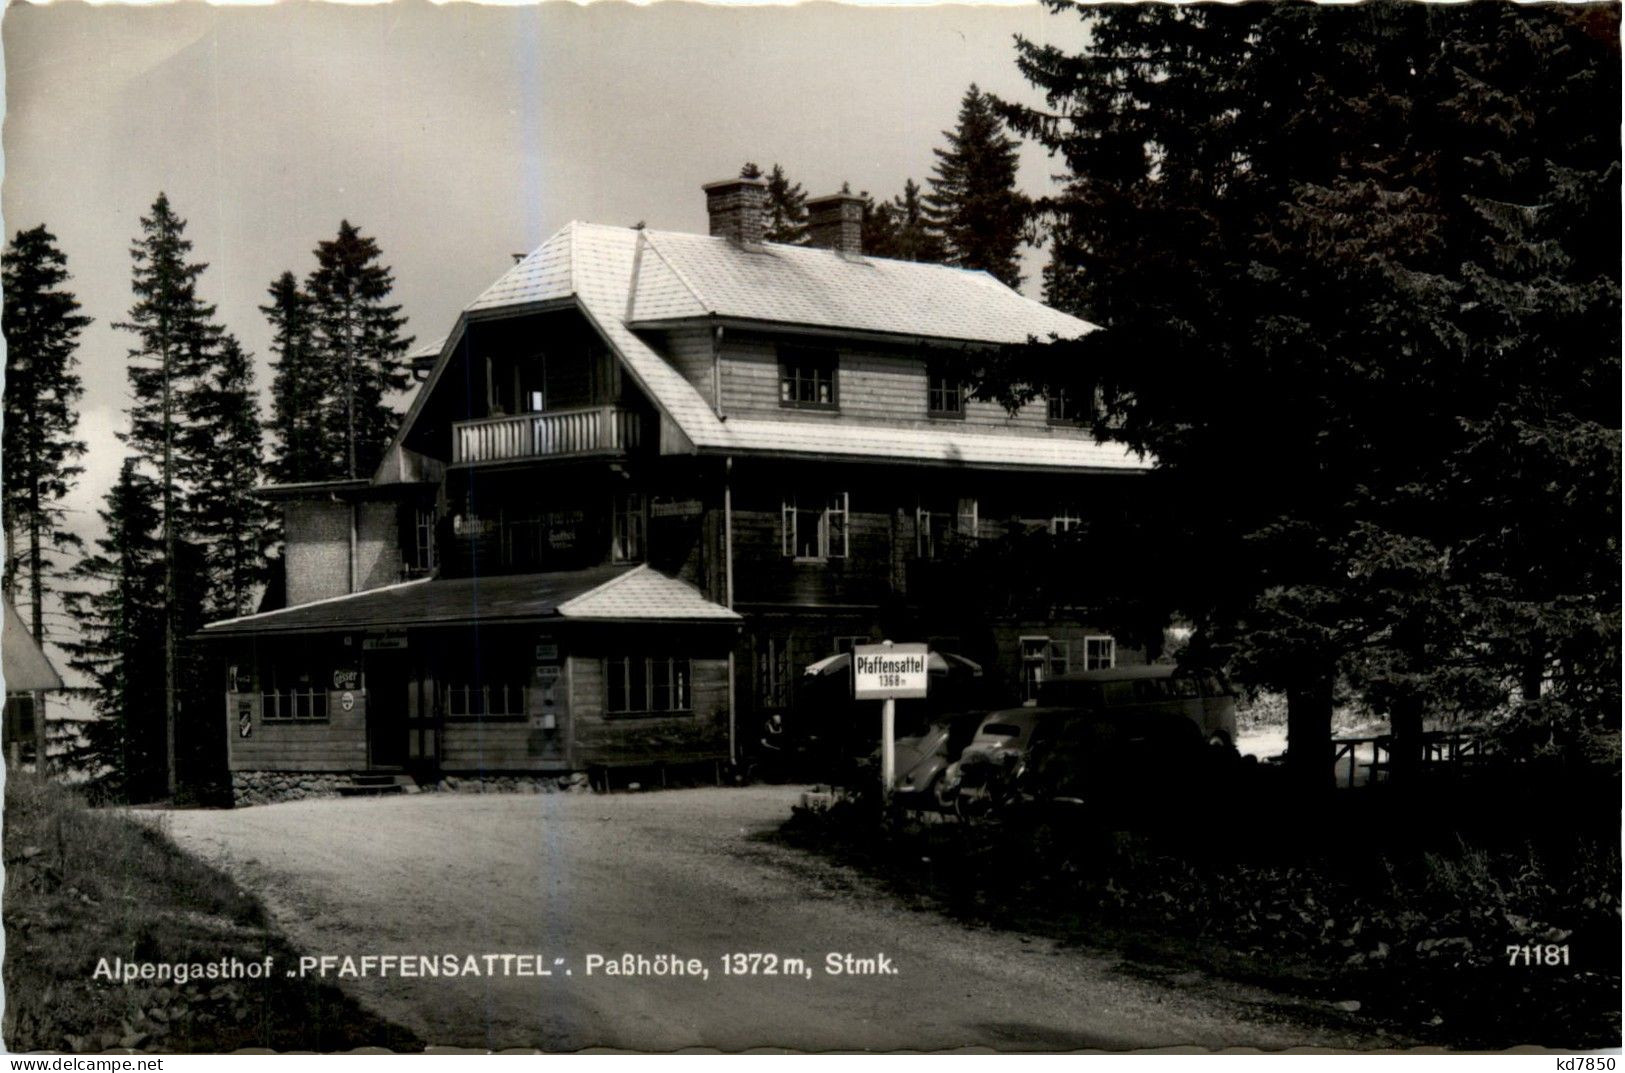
{"x": 646, "y": 480}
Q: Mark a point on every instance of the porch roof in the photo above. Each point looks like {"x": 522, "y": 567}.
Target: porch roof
{"x": 601, "y": 593}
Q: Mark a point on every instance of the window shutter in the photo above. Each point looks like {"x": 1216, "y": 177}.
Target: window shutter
{"x": 787, "y": 519}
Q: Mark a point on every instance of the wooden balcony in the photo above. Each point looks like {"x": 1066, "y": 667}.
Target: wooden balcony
{"x": 594, "y": 430}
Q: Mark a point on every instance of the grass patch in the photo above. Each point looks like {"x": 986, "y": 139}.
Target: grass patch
{"x": 85, "y": 884}
{"x": 1377, "y": 908}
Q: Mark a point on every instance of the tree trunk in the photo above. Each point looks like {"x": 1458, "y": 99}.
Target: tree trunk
{"x": 169, "y": 587}
{"x": 1533, "y": 673}
{"x": 1405, "y": 752}
{"x": 1309, "y": 735}
{"x": 36, "y": 597}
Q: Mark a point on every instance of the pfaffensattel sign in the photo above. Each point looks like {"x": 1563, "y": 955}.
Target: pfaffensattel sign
{"x": 880, "y": 672}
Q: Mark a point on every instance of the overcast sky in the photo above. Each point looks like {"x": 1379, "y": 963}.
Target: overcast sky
{"x": 455, "y": 135}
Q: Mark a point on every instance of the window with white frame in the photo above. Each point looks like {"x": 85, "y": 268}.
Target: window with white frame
{"x": 293, "y": 691}
{"x": 1066, "y": 518}
{"x": 628, "y": 528}
{"x": 938, "y": 523}
{"x": 489, "y": 696}
{"x": 1099, "y": 653}
{"x": 647, "y": 685}
{"x": 814, "y": 526}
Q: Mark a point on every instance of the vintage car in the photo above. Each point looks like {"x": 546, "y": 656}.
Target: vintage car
{"x": 1108, "y": 759}
{"x": 923, "y": 759}
{"x": 989, "y": 769}
{"x": 1126, "y": 767}
{"x": 1202, "y": 697}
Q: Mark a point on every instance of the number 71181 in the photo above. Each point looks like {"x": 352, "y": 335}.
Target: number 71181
{"x": 1549, "y": 954}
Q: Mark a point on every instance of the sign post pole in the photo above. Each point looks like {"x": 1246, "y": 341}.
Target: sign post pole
{"x": 888, "y": 748}
{"x": 885, "y": 672}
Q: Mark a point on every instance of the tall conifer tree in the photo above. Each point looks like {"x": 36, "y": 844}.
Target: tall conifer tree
{"x": 42, "y": 326}
{"x": 301, "y": 446}
{"x": 176, "y": 337}
{"x": 358, "y": 336}
{"x": 974, "y": 205}
{"x": 1386, "y": 374}
{"x": 223, "y": 464}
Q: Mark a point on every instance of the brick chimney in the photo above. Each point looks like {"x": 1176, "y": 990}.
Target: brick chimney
{"x": 738, "y": 208}
{"x": 835, "y": 222}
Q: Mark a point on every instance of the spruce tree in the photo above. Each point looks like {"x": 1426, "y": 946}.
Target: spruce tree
{"x": 300, "y": 442}
{"x": 900, "y": 229}
{"x": 120, "y": 641}
{"x": 1385, "y": 386}
{"x": 358, "y": 337}
{"x": 176, "y": 338}
{"x": 974, "y": 207}
{"x": 222, "y": 462}
{"x": 786, "y": 209}
{"x": 42, "y": 327}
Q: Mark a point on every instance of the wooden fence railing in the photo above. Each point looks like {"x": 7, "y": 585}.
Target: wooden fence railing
{"x": 590, "y": 430}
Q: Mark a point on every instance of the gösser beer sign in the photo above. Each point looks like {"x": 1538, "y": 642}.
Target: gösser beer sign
{"x": 883, "y": 672}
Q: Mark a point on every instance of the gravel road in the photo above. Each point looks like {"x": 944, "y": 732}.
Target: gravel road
{"x": 684, "y": 873}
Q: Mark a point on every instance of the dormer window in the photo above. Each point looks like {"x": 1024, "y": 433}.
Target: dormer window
{"x": 807, "y": 378}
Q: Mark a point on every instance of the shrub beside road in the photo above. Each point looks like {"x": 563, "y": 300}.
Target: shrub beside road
{"x": 87, "y": 885}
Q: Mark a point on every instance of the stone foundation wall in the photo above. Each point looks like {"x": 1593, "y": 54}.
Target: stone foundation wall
{"x": 268, "y": 787}
{"x": 265, "y": 787}
{"x": 509, "y": 784}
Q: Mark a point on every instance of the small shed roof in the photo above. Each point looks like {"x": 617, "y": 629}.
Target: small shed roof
{"x": 602, "y": 593}
{"x": 24, "y": 662}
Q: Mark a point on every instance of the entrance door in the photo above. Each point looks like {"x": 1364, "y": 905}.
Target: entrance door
{"x": 387, "y": 679}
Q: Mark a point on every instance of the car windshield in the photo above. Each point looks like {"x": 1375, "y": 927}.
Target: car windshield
{"x": 1002, "y": 730}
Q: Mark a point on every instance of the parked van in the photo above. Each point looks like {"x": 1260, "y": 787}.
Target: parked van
{"x": 1203, "y": 697}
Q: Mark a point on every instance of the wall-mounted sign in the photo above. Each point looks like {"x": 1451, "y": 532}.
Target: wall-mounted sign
{"x": 548, "y": 672}
{"x": 383, "y": 642}
{"x": 675, "y": 508}
{"x": 346, "y": 678}
{"x": 347, "y": 701}
{"x": 883, "y": 672}
{"x": 546, "y": 650}
{"x": 245, "y": 719}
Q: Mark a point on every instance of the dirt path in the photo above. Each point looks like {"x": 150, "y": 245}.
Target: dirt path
{"x": 678, "y": 873}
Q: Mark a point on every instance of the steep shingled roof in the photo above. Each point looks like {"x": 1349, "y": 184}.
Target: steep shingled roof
{"x": 624, "y": 278}
{"x": 685, "y": 276}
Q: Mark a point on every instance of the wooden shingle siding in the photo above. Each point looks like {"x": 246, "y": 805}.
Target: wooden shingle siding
{"x": 602, "y": 739}
{"x": 499, "y": 746}
{"x": 764, "y": 574}
{"x": 339, "y": 744}
{"x": 690, "y": 350}
{"x": 873, "y": 386}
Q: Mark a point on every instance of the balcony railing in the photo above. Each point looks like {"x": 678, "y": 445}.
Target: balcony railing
{"x": 592, "y": 430}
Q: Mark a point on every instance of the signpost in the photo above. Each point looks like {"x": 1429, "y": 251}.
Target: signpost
{"x": 885, "y": 672}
